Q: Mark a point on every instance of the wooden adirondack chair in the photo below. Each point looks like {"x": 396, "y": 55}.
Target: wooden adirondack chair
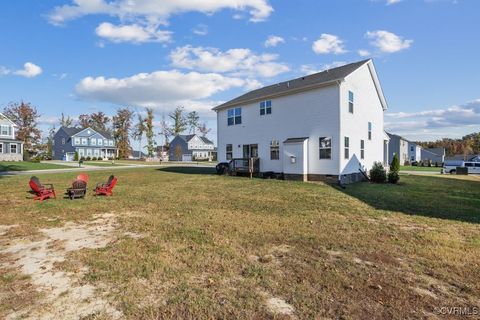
{"x": 106, "y": 189}
{"x": 83, "y": 177}
{"x": 41, "y": 191}
{"x": 78, "y": 189}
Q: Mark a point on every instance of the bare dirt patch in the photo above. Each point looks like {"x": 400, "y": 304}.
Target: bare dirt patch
{"x": 63, "y": 295}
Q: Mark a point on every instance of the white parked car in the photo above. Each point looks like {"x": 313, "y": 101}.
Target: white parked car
{"x": 451, "y": 167}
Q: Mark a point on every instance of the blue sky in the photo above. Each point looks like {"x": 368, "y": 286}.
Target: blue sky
{"x": 81, "y": 56}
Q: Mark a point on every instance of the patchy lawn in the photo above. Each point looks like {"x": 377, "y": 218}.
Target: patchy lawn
{"x": 416, "y": 168}
{"x": 184, "y": 243}
{"x": 103, "y": 164}
{"x": 24, "y": 166}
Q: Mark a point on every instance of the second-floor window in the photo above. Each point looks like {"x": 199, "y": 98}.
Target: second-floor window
{"x": 274, "y": 150}
{"x": 266, "y": 107}
{"x": 229, "y": 152}
{"x": 350, "y": 101}
{"x": 93, "y": 142}
{"x": 362, "y": 149}
{"x": 234, "y": 116}
{"x": 5, "y": 130}
{"x": 369, "y": 131}
{"x": 100, "y": 142}
{"x": 325, "y": 148}
{"x": 347, "y": 148}
{"x": 77, "y": 140}
{"x": 110, "y": 142}
{"x": 411, "y": 148}
{"x": 63, "y": 141}
{"x": 84, "y": 141}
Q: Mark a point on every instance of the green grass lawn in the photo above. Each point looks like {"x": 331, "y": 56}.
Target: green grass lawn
{"x": 224, "y": 247}
{"x": 24, "y": 166}
{"x": 415, "y": 168}
{"x": 103, "y": 163}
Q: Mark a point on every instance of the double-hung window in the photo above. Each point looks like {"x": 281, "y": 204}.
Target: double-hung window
{"x": 63, "y": 141}
{"x": 110, "y": 143}
{"x": 1, "y": 147}
{"x": 325, "y": 148}
{"x": 5, "y": 130}
{"x": 234, "y": 116}
{"x": 13, "y": 148}
{"x": 369, "y": 131}
{"x": 265, "y": 107}
{"x": 350, "y": 101}
{"x": 93, "y": 141}
{"x": 84, "y": 141}
{"x": 229, "y": 152}
{"x": 77, "y": 141}
{"x": 100, "y": 142}
{"x": 274, "y": 150}
{"x": 362, "y": 149}
{"x": 347, "y": 148}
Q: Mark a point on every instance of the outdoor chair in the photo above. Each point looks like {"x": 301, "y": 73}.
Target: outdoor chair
{"x": 41, "y": 191}
{"x": 83, "y": 177}
{"x": 106, "y": 188}
{"x": 78, "y": 189}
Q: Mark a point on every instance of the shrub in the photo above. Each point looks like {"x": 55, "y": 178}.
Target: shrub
{"x": 34, "y": 160}
{"x": 393, "y": 177}
{"x": 75, "y": 156}
{"x": 88, "y": 158}
{"x": 395, "y": 164}
{"x": 378, "y": 173}
{"x": 436, "y": 164}
{"x": 429, "y": 163}
{"x": 407, "y": 163}
{"x": 422, "y": 163}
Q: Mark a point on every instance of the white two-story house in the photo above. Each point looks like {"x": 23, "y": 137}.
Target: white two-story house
{"x": 325, "y": 126}
{"x": 11, "y": 149}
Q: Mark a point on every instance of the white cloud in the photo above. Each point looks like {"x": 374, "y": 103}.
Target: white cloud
{"x": 363, "y": 53}
{"x": 4, "y": 71}
{"x": 155, "y": 11}
{"x": 311, "y": 69}
{"x": 456, "y": 118}
{"x": 30, "y": 70}
{"x": 237, "y": 62}
{"x": 201, "y": 30}
{"x": 387, "y": 42}
{"x": 132, "y": 33}
{"x": 273, "y": 41}
{"x": 328, "y": 43}
{"x": 390, "y": 2}
{"x": 156, "y": 88}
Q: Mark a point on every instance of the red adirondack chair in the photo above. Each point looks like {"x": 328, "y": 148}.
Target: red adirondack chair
{"x": 106, "y": 189}
{"x": 42, "y": 191}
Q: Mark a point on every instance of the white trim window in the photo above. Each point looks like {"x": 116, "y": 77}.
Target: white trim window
{"x": 265, "y": 107}
{"x": 13, "y": 148}
{"x": 110, "y": 143}
{"x": 350, "y": 101}
{"x": 234, "y": 116}
{"x": 362, "y": 149}
{"x": 84, "y": 141}
{"x": 370, "y": 131}
{"x": 93, "y": 142}
{"x": 6, "y": 130}
{"x": 81, "y": 152}
{"x": 77, "y": 141}
{"x": 274, "y": 150}
{"x": 100, "y": 142}
{"x": 347, "y": 148}
{"x": 96, "y": 152}
{"x": 325, "y": 148}
{"x": 1, "y": 147}
{"x": 63, "y": 141}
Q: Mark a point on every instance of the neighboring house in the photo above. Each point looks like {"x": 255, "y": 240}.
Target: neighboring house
{"x": 137, "y": 155}
{"x": 406, "y": 150}
{"x": 191, "y": 147}
{"x": 162, "y": 152}
{"x": 86, "y": 141}
{"x": 11, "y": 149}
{"x": 433, "y": 155}
{"x": 324, "y": 126}
{"x": 462, "y": 157}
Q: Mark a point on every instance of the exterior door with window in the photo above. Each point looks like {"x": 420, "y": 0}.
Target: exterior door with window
{"x": 250, "y": 151}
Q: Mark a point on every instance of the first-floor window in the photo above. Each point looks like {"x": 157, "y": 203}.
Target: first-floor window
{"x": 96, "y": 152}
{"x": 369, "y": 131}
{"x": 81, "y": 152}
{"x": 362, "y": 149}
{"x": 325, "y": 148}
{"x": 347, "y": 147}
{"x": 274, "y": 150}
{"x": 13, "y": 148}
{"x": 229, "y": 153}
{"x": 1, "y": 147}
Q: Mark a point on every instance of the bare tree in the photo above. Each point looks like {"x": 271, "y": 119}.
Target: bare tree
{"x": 138, "y": 132}
{"x": 192, "y": 121}
{"x": 204, "y": 130}
{"x": 66, "y": 121}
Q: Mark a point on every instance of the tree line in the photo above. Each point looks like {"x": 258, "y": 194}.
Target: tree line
{"x": 122, "y": 126}
{"x": 468, "y": 144}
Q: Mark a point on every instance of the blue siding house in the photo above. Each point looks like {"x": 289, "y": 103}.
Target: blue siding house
{"x": 191, "y": 147}
{"x": 86, "y": 141}
{"x": 11, "y": 149}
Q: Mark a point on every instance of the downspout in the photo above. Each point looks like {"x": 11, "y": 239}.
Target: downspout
{"x": 339, "y": 82}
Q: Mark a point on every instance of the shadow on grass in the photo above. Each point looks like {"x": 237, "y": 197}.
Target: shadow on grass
{"x": 11, "y": 167}
{"x": 189, "y": 170}
{"x": 429, "y": 196}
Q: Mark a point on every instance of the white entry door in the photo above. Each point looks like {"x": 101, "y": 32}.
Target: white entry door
{"x": 295, "y": 158}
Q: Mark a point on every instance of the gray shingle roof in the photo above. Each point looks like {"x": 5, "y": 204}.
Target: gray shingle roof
{"x": 305, "y": 82}
{"x": 188, "y": 137}
{"x": 71, "y": 131}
